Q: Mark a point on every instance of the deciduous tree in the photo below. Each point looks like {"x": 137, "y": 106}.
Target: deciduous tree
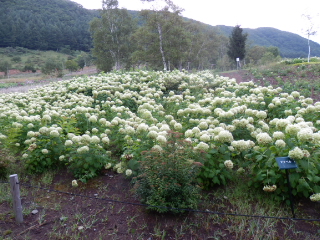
{"x": 309, "y": 30}
{"x": 5, "y": 67}
{"x": 111, "y": 36}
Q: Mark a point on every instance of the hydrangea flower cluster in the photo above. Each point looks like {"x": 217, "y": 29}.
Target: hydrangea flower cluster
{"x": 228, "y": 164}
{"x": 296, "y": 153}
{"x": 263, "y": 138}
{"x": 269, "y": 188}
{"x": 315, "y": 197}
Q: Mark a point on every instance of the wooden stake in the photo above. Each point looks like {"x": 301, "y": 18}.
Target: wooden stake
{"x": 15, "y": 191}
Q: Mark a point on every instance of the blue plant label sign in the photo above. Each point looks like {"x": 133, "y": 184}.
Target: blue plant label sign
{"x": 286, "y": 163}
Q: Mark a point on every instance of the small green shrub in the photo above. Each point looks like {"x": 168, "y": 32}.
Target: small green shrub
{"x": 214, "y": 170}
{"x": 168, "y": 176}
{"x": 87, "y": 161}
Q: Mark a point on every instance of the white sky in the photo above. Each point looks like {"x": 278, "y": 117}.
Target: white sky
{"x": 281, "y": 14}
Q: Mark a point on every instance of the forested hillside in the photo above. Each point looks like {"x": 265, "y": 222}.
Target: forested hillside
{"x": 57, "y": 24}
{"x": 45, "y": 25}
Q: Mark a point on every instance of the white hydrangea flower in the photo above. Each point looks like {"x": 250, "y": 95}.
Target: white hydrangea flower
{"x": 95, "y": 140}
{"x": 196, "y": 130}
{"x": 295, "y": 94}
{"x": 85, "y": 138}
{"x": 108, "y": 166}
{"x": 261, "y": 115}
{"x": 93, "y": 119}
{"x": 280, "y": 143}
{"x": 120, "y": 170}
{"x": 74, "y": 183}
{"x": 68, "y": 143}
{"x": 268, "y": 188}
{"x": 278, "y": 135}
{"x": 105, "y": 140}
{"x": 316, "y": 138}
{"x": 157, "y": 148}
{"x": 83, "y": 149}
{"x": 296, "y": 153}
{"x": 54, "y": 133}
{"x": 242, "y": 145}
{"x": 203, "y": 125}
{"x": 102, "y": 121}
{"x": 306, "y": 153}
{"x": 224, "y": 136}
{"x": 142, "y": 127}
{"x": 205, "y": 138}
{"x": 178, "y": 126}
{"x": 263, "y": 138}
{"x": 31, "y": 134}
{"x": 228, "y": 164}
{"x": 95, "y": 130}
{"x": 202, "y": 146}
{"x": 305, "y": 135}
{"x": 282, "y": 123}
{"x": 45, "y": 151}
{"x": 188, "y": 133}
{"x": 46, "y": 117}
{"x": 152, "y": 134}
{"x": 161, "y": 139}
{"x": 292, "y": 129}
{"x": 315, "y": 197}
{"x": 128, "y": 172}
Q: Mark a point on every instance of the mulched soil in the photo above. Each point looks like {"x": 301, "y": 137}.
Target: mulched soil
{"x": 107, "y": 208}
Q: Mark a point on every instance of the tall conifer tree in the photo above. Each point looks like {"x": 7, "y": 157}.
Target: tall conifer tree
{"x": 237, "y": 44}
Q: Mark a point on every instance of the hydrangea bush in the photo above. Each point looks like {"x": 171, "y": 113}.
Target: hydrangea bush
{"x": 77, "y": 123}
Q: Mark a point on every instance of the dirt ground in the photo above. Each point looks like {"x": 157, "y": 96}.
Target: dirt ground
{"x": 106, "y": 208}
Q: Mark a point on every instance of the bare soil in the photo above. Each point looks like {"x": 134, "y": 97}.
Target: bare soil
{"x": 106, "y": 208}
{"x": 240, "y": 76}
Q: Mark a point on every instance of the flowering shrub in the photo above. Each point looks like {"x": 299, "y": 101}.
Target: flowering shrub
{"x": 43, "y": 149}
{"x": 76, "y": 123}
{"x": 168, "y": 176}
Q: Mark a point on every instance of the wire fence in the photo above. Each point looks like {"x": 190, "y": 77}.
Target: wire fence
{"x": 164, "y": 207}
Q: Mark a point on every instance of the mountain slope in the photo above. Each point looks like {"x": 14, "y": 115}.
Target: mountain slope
{"x": 45, "y": 25}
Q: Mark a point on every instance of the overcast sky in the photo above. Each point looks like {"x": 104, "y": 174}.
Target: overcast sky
{"x": 281, "y": 14}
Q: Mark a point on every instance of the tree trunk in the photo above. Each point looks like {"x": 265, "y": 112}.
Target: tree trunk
{"x": 309, "y": 48}
{"x": 161, "y": 48}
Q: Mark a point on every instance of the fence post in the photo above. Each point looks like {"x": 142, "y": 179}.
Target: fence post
{"x": 15, "y": 191}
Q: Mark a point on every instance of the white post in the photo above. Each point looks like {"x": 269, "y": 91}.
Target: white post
{"x": 15, "y": 191}
{"x": 238, "y": 61}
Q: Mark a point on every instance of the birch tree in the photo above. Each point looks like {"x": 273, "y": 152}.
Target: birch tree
{"x": 159, "y": 8}
{"x": 309, "y": 30}
{"x": 111, "y": 36}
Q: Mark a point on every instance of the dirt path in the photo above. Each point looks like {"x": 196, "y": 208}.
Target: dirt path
{"x": 240, "y": 76}
{"x": 34, "y": 84}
